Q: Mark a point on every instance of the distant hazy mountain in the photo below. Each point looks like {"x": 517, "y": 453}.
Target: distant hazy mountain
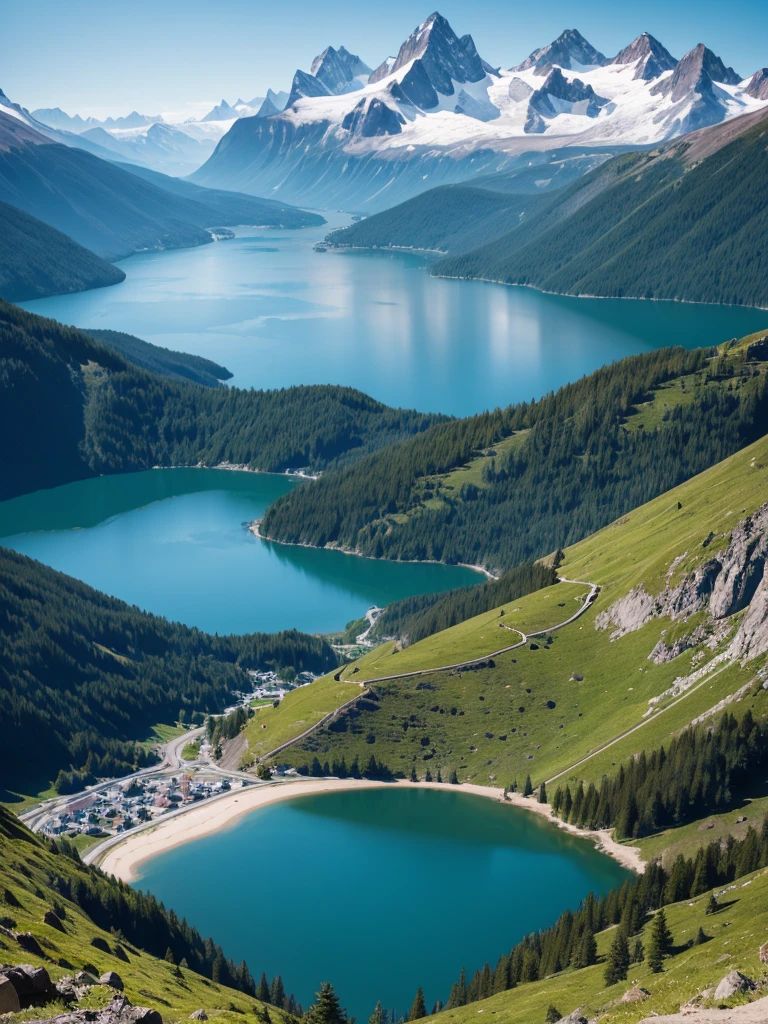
{"x": 55, "y": 117}
{"x": 37, "y": 260}
{"x": 438, "y": 113}
{"x": 107, "y": 208}
{"x": 162, "y": 147}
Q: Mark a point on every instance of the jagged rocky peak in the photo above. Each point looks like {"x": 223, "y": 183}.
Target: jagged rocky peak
{"x": 305, "y": 84}
{"x": 758, "y": 85}
{"x": 383, "y": 70}
{"x": 695, "y": 73}
{"x": 570, "y": 51}
{"x": 652, "y": 58}
{"x": 572, "y": 97}
{"x": 442, "y": 55}
{"x": 267, "y": 108}
{"x": 373, "y": 117}
{"x": 339, "y": 70}
{"x": 221, "y": 112}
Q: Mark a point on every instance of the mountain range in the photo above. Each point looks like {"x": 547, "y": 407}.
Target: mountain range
{"x": 438, "y": 113}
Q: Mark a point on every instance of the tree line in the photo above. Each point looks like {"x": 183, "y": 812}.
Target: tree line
{"x": 575, "y": 468}
{"x": 702, "y": 771}
{"x": 570, "y": 942}
{"x": 84, "y": 677}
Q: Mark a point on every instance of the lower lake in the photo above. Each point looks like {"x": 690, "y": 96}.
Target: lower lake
{"x": 277, "y": 313}
{"x": 378, "y": 891}
{"x": 175, "y": 542}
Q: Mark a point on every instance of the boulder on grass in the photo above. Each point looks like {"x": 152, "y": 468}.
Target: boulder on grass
{"x": 9, "y": 998}
{"x": 733, "y": 983}
{"x": 53, "y": 920}
{"x": 113, "y": 979}
{"x": 198, "y": 1015}
{"x": 635, "y": 995}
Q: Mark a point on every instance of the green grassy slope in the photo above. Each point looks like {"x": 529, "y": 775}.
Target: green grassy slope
{"x": 540, "y": 711}
{"x": 77, "y": 409}
{"x": 647, "y": 225}
{"x": 38, "y": 260}
{"x": 33, "y": 879}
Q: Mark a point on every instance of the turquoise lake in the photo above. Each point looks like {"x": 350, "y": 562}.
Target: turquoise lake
{"x": 174, "y": 542}
{"x": 276, "y": 313}
{"x": 378, "y": 891}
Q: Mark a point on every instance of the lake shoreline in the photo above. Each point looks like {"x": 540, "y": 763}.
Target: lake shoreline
{"x": 255, "y": 529}
{"x": 125, "y": 859}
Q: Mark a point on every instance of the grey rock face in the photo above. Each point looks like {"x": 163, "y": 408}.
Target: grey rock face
{"x": 305, "y": 85}
{"x": 372, "y": 117}
{"x": 557, "y": 87}
{"x": 383, "y": 70}
{"x": 443, "y": 56}
{"x": 568, "y": 49}
{"x": 733, "y": 983}
{"x": 654, "y": 58}
{"x": 758, "y": 85}
{"x": 338, "y": 69}
{"x": 730, "y": 582}
{"x": 198, "y": 1015}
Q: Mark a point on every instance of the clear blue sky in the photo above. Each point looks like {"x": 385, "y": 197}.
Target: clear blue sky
{"x": 104, "y": 56}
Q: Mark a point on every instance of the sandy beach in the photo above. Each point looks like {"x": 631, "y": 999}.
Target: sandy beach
{"x": 124, "y": 860}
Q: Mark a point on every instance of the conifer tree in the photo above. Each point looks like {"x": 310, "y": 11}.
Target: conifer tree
{"x": 414, "y": 776}
{"x": 439, "y": 775}
{"x": 454, "y": 779}
{"x": 263, "y": 993}
{"x": 418, "y": 1008}
{"x": 170, "y": 958}
{"x": 661, "y": 941}
{"x": 528, "y": 788}
{"x": 701, "y": 937}
{"x": 586, "y": 952}
{"x": 277, "y": 992}
{"x": 567, "y": 804}
{"x": 618, "y": 959}
{"x": 557, "y": 800}
{"x": 638, "y": 953}
{"x": 379, "y": 1015}
{"x": 553, "y": 1015}
{"x": 428, "y": 776}
{"x": 712, "y": 905}
{"x": 327, "y": 1009}
{"x": 542, "y": 793}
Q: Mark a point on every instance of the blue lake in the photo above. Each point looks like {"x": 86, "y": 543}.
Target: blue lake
{"x": 277, "y": 313}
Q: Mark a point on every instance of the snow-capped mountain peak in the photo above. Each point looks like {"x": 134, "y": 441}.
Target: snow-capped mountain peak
{"x": 443, "y": 56}
{"x": 651, "y": 58}
{"x": 570, "y": 51}
{"x": 339, "y": 70}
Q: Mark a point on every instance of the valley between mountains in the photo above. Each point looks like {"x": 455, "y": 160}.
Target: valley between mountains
{"x": 355, "y": 343}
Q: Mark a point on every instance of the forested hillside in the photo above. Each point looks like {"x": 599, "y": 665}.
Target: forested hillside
{"x": 178, "y": 366}
{"x": 452, "y": 218}
{"x": 682, "y": 223}
{"x": 543, "y": 474}
{"x": 76, "y": 409}
{"x": 37, "y": 260}
{"x": 83, "y": 676}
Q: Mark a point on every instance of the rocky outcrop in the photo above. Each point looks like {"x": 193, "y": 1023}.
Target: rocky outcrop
{"x": 303, "y": 85}
{"x": 9, "y": 997}
{"x": 758, "y": 85}
{"x": 113, "y": 979}
{"x": 726, "y": 584}
{"x": 198, "y": 1015}
{"x": 31, "y": 984}
{"x": 119, "y": 1011}
{"x": 733, "y": 983}
{"x": 339, "y": 70}
{"x": 372, "y": 117}
{"x": 635, "y": 995}
{"x": 558, "y": 95}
